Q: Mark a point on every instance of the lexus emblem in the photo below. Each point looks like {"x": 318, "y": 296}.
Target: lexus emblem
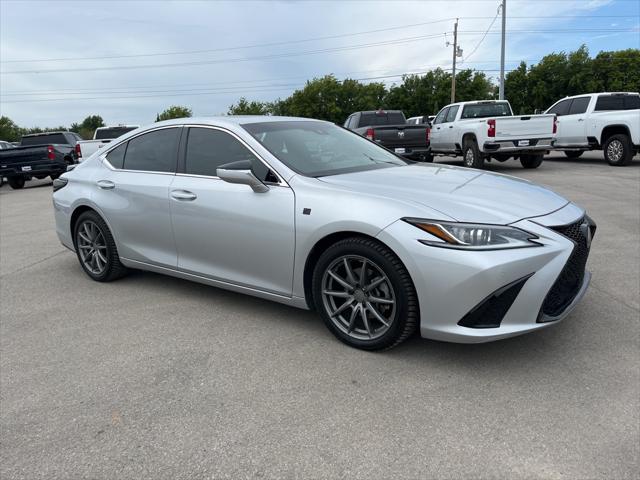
{"x": 585, "y": 228}
{"x": 401, "y": 133}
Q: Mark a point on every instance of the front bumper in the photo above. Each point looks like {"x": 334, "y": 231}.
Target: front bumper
{"x": 451, "y": 283}
{"x": 515, "y": 146}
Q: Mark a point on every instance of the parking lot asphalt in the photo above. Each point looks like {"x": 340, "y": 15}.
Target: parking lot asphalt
{"x": 155, "y": 377}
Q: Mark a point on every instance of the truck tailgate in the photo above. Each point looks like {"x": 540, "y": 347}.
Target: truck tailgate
{"x": 392, "y": 136}
{"x": 525, "y": 127}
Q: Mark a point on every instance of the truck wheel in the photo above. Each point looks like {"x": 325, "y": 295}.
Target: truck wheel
{"x": 16, "y": 182}
{"x": 471, "y": 156}
{"x": 531, "y": 161}
{"x": 40, "y": 177}
{"x": 573, "y": 153}
{"x": 618, "y": 151}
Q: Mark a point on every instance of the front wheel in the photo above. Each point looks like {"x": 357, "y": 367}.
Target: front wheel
{"x": 618, "y": 151}
{"x": 471, "y": 155}
{"x": 96, "y": 248}
{"x": 531, "y": 161}
{"x": 16, "y": 182}
{"x": 364, "y": 294}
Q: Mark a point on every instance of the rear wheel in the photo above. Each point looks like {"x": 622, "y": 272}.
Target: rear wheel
{"x": 531, "y": 161}
{"x": 618, "y": 151}
{"x": 573, "y": 153}
{"x": 16, "y": 182}
{"x": 471, "y": 155}
{"x": 364, "y": 294}
{"x": 96, "y": 248}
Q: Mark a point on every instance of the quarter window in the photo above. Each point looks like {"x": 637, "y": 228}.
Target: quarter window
{"x": 154, "y": 151}
{"x": 617, "y": 102}
{"x": 579, "y": 105}
{"x": 116, "y": 156}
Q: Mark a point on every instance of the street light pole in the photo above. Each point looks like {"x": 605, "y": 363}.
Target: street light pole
{"x": 504, "y": 27}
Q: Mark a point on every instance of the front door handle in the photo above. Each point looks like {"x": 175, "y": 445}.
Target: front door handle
{"x": 183, "y": 195}
{"x": 451, "y": 126}
{"x": 105, "y": 184}
{"x": 581, "y": 119}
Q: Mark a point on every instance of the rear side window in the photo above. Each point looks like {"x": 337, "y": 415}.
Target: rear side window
{"x": 561, "y": 108}
{"x": 617, "y": 102}
{"x": 451, "y": 115}
{"x": 154, "y": 151}
{"x": 579, "y": 105}
{"x": 116, "y": 156}
{"x": 207, "y": 149}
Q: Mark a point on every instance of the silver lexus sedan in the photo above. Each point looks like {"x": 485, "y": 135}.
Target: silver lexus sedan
{"x": 308, "y": 214}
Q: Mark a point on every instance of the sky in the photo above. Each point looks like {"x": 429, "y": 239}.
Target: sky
{"x": 61, "y": 61}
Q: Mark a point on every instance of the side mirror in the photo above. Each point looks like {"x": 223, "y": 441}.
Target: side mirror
{"x": 240, "y": 172}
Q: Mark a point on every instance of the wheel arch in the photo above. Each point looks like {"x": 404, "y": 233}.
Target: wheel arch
{"x": 321, "y": 245}
{"x": 611, "y": 130}
{"x": 469, "y": 136}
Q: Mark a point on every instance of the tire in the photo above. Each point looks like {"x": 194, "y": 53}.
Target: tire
{"x": 531, "y": 161}
{"x": 573, "y": 153}
{"x": 391, "y": 295}
{"x": 618, "y": 151}
{"x": 428, "y": 158}
{"x": 471, "y": 155}
{"x": 16, "y": 182}
{"x": 91, "y": 234}
{"x": 53, "y": 176}
{"x": 40, "y": 177}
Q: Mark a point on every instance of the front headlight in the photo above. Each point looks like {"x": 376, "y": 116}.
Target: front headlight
{"x": 470, "y": 236}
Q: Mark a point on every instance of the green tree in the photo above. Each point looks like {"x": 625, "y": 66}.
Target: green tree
{"x": 88, "y": 126}
{"x": 9, "y": 131}
{"x": 174, "y": 111}
{"x": 244, "y": 107}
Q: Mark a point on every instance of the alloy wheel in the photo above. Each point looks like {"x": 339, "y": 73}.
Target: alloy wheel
{"x": 92, "y": 247}
{"x": 615, "y": 151}
{"x": 469, "y": 157}
{"x": 358, "y": 297}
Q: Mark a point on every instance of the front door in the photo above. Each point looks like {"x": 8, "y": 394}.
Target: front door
{"x": 227, "y": 231}
{"x": 439, "y": 131}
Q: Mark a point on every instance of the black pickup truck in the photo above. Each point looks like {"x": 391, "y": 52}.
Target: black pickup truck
{"x": 39, "y": 155}
{"x": 390, "y": 129}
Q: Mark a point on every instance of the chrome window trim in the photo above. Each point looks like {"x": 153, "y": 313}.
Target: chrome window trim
{"x": 103, "y": 156}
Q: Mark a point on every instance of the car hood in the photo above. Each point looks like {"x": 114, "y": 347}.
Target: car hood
{"x": 464, "y": 194}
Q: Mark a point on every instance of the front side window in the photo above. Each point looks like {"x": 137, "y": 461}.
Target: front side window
{"x": 207, "y": 149}
{"x": 316, "y": 149}
{"x": 155, "y": 151}
{"x": 453, "y": 111}
{"x": 561, "y": 108}
{"x": 579, "y": 105}
{"x": 440, "y": 118}
{"x": 116, "y": 156}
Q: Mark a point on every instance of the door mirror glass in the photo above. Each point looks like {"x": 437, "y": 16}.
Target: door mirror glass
{"x": 241, "y": 173}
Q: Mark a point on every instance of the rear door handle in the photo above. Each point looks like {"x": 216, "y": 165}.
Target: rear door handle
{"x": 581, "y": 119}
{"x": 105, "y": 184}
{"x": 184, "y": 195}
{"x": 451, "y": 126}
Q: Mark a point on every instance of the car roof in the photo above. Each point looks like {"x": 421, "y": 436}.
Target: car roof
{"x": 231, "y": 120}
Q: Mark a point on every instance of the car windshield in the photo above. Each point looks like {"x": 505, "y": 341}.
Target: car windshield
{"x": 486, "y": 110}
{"x": 317, "y": 149}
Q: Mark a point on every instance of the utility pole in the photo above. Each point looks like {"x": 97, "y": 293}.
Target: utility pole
{"x": 504, "y": 28}
{"x": 455, "y": 54}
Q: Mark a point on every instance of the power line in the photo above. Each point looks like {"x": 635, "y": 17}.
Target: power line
{"x": 483, "y": 36}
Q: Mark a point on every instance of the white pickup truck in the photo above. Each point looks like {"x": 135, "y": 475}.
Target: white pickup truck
{"x": 487, "y": 129}
{"x": 101, "y": 137}
{"x": 599, "y": 121}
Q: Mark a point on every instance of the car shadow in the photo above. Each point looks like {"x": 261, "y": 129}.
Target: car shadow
{"x": 521, "y": 350}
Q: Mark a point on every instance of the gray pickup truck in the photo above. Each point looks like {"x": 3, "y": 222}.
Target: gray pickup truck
{"x": 39, "y": 155}
{"x": 390, "y": 129}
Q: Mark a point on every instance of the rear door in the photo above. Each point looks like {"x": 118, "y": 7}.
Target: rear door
{"x": 133, "y": 193}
